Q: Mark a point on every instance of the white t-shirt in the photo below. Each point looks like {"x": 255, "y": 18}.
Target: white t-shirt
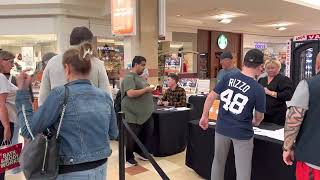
{"x": 7, "y": 87}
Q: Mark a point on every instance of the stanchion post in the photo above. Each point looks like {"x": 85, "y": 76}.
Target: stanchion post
{"x": 121, "y": 149}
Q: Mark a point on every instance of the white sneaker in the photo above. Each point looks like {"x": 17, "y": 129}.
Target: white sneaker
{"x": 141, "y": 157}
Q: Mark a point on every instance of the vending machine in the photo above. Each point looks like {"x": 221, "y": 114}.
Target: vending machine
{"x": 301, "y": 57}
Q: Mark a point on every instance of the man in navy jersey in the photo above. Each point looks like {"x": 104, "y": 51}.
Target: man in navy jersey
{"x": 240, "y": 95}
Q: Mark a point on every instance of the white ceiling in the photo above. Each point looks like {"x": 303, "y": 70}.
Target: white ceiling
{"x": 197, "y": 14}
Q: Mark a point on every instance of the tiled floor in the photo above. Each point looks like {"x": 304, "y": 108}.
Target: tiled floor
{"x": 173, "y": 166}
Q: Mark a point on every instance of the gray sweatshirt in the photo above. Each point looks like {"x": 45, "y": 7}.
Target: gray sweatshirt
{"x": 53, "y": 76}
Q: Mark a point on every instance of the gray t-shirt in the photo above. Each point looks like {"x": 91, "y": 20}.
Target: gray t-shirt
{"x": 300, "y": 99}
{"x": 224, "y": 72}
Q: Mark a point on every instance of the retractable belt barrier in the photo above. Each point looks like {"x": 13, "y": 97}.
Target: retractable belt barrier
{"x": 122, "y": 126}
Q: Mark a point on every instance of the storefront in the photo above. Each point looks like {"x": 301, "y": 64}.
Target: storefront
{"x": 273, "y": 47}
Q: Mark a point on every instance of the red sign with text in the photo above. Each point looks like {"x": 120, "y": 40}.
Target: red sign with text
{"x": 307, "y": 37}
{"x": 9, "y": 157}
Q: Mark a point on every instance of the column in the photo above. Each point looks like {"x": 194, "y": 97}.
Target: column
{"x": 145, "y": 43}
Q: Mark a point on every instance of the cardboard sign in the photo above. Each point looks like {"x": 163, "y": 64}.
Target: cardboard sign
{"x": 9, "y": 157}
{"x": 214, "y": 110}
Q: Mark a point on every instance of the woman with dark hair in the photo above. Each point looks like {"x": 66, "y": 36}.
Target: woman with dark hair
{"x": 89, "y": 119}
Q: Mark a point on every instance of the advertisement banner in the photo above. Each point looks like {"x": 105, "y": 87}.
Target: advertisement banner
{"x": 123, "y": 17}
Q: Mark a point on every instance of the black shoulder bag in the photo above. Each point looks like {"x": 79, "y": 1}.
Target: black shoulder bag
{"x": 40, "y": 157}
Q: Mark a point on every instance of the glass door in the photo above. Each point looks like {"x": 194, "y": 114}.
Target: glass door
{"x": 304, "y": 57}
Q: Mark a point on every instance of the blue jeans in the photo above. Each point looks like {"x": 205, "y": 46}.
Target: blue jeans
{"x": 99, "y": 173}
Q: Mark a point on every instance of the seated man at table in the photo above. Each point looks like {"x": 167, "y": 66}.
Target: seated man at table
{"x": 175, "y": 95}
{"x": 239, "y": 94}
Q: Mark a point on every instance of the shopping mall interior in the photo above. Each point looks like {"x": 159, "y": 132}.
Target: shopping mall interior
{"x": 185, "y": 37}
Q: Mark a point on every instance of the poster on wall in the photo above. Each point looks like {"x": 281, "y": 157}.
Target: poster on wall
{"x": 27, "y": 58}
{"x": 173, "y": 64}
{"x": 123, "y": 17}
{"x": 189, "y": 85}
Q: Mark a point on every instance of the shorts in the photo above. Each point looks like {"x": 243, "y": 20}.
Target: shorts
{"x": 305, "y": 172}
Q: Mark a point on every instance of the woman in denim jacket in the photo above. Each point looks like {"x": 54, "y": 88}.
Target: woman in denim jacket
{"x": 88, "y": 122}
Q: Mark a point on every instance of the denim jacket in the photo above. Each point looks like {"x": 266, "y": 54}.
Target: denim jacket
{"x": 88, "y": 122}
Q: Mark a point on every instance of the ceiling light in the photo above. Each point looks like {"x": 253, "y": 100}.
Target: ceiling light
{"x": 178, "y": 15}
{"x": 309, "y": 3}
{"x": 281, "y": 28}
{"x": 280, "y": 24}
{"x": 224, "y": 16}
{"x": 225, "y": 21}
{"x": 221, "y": 14}
{"x": 275, "y": 24}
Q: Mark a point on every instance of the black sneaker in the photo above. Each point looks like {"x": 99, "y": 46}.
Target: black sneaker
{"x": 141, "y": 157}
{"x": 131, "y": 162}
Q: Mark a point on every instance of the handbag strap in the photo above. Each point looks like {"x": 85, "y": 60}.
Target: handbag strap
{"x": 61, "y": 117}
{"x": 64, "y": 106}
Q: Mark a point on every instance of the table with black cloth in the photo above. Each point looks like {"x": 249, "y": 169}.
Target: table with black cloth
{"x": 170, "y": 132}
{"x": 266, "y": 161}
{"x": 197, "y": 106}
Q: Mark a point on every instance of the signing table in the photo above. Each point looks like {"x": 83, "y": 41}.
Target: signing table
{"x": 267, "y": 161}
{"x": 170, "y": 131}
{"x": 197, "y": 106}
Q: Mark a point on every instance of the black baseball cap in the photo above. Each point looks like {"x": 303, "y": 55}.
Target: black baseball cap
{"x": 254, "y": 56}
{"x": 226, "y": 55}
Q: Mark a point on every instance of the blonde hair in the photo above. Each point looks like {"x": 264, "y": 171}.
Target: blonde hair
{"x": 273, "y": 61}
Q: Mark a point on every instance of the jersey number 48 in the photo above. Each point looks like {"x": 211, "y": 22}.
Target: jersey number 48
{"x": 234, "y": 104}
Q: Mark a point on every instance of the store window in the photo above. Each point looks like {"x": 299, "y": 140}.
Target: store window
{"x": 29, "y": 49}
{"x": 111, "y": 52}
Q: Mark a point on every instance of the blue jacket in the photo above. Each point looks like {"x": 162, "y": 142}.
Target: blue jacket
{"x": 88, "y": 123}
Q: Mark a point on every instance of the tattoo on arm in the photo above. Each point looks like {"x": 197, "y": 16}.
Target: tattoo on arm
{"x": 294, "y": 120}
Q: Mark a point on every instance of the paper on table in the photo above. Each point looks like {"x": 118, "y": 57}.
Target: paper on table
{"x": 182, "y": 109}
{"x": 278, "y": 134}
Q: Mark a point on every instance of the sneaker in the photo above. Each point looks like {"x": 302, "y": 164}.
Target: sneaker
{"x": 131, "y": 162}
{"x": 141, "y": 157}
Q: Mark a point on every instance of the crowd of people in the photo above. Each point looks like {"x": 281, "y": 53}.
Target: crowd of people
{"x": 85, "y": 145}
{"x": 270, "y": 99}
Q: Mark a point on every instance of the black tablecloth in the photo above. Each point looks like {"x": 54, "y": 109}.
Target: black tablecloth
{"x": 197, "y": 106}
{"x": 267, "y": 161}
{"x": 170, "y": 132}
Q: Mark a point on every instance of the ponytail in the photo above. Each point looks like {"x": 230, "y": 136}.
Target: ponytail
{"x": 79, "y": 58}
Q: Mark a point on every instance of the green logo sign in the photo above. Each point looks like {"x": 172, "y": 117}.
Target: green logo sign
{"x": 222, "y": 41}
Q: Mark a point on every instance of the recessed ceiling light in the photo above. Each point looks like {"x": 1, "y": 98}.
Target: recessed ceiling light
{"x": 225, "y": 21}
{"x": 224, "y": 16}
{"x": 309, "y": 3}
{"x": 276, "y": 24}
{"x": 178, "y": 15}
{"x": 221, "y": 14}
{"x": 281, "y": 28}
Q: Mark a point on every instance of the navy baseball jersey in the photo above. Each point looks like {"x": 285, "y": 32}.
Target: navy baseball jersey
{"x": 239, "y": 96}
